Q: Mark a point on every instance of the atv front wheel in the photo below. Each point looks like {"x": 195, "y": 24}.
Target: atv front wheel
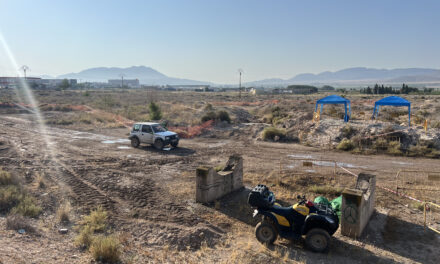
{"x": 174, "y": 144}
{"x": 158, "y": 144}
{"x": 317, "y": 240}
{"x": 266, "y": 233}
{"x": 135, "y": 142}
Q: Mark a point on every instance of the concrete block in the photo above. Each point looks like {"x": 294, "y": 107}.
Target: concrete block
{"x": 358, "y": 205}
{"x": 212, "y": 185}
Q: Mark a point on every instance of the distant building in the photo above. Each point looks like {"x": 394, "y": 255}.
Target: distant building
{"x": 302, "y": 89}
{"x": 34, "y": 82}
{"x": 12, "y": 82}
{"x": 131, "y": 83}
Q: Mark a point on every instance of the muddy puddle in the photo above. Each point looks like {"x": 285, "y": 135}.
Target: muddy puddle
{"x": 114, "y": 141}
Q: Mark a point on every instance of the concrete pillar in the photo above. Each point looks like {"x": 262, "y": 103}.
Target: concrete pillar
{"x": 211, "y": 185}
{"x": 358, "y": 205}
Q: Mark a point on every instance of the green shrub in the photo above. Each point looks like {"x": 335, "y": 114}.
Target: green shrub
{"x": 6, "y": 178}
{"x": 209, "y": 116}
{"x": 269, "y": 133}
{"x": 96, "y": 220}
{"x": 155, "y": 112}
{"x": 223, "y": 116}
{"x": 10, "y": 196}
{"x": 348, "y": 131}
{"x": 346, "y": 144}
{"x": 27, "y": 207}
{"x": 85, "y": 237}
{"x": 380, "y": 144}
{"x": 106, "y": 249}
{"x": 394, "y": 148}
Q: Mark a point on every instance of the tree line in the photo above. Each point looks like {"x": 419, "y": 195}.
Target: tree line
{"x": 381, "y": 89}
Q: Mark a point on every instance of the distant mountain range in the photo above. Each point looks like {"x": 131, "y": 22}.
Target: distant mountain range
{"x": 146, "y": 75}
{"x": 349, "y": 76}
{"x": 358, "y": 75}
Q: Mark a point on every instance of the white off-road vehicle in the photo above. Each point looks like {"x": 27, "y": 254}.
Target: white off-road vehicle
{"x": 154, "y": 134}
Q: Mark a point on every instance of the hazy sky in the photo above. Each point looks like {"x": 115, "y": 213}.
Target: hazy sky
{"x": 209, "y": 40}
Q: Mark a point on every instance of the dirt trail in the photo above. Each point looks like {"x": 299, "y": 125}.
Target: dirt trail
{"x": 149, "y": 193}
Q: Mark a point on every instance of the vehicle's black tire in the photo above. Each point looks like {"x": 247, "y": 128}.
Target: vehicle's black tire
{"x": 135, "y": 142}
{"x": 158, "y": 144}
{"x": 174, "y": 144}
{"x": 317, "y": 240}
{"x": 266, "y": 233}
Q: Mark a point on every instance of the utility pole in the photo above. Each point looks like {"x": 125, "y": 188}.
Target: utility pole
{"x": 240, "y": 71}
{"x": 122, "y": 79}
{"x": 24, "y": 68}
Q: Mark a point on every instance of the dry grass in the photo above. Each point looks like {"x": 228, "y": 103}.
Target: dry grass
{"x": 85, "y": 237}
{"x": 27, "y": 207}
{"x": 63, "y": 213}
{"x": 96, "y": 220}
{"x": 269, "y": 133}
{"x": 326, "y": 189}
{"x": 10, "y": 196}
{"x": 346, "y": 145}
{"x": 17, "y": 222}
{"x": 106, "y": 249}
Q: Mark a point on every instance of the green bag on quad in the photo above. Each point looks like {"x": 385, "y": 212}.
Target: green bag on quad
{"x": 322, "y": 200}
{"x": 336, "y": 206}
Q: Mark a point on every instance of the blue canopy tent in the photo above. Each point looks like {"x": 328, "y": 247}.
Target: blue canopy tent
{"x": 393, "y": 101}
{"x": 335, "y": 99}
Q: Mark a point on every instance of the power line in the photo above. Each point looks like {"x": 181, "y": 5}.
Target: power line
{"x": 24, "y": 68}
{"x": 122, "y": 79}
{"x": 240, "y": 71}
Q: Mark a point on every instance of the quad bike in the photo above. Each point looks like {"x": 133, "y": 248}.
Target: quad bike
{"x": 314, "y": 221}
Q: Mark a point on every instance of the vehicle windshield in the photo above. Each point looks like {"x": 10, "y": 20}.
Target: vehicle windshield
{"x": 158, "y": 128}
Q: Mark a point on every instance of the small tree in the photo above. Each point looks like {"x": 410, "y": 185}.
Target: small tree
{"x": 64, "y": 84}
{"x": 155, "y": 112}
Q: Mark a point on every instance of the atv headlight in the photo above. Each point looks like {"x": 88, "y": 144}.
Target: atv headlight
{"x": 167, "y": 138}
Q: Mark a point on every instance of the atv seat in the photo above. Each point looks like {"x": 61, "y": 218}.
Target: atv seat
{"x": 295, "y": 219}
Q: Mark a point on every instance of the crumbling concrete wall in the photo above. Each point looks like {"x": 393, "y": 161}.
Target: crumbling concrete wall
{"x": 358, "y": 205}
{"x": 212, "y": 185}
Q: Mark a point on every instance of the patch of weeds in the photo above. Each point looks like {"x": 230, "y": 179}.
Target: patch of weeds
{"x": 85, "y": 237}
{"x": 380, "y": 144}
{"x": 347, "y": 131}
{"x": 269, "y": 133}
{"x": 326, "y": 189}
{"x": 394, "y": 148}
{"x": 63, "y": 213}
{"x": 417, "y": 205}
{"x": 106, "y": 249}
{"x": 346, "y": 144}
{"x": 219, "y": 116}
{"x": 10, "y": 196}
{"x": 6, "y": 178}
{"x": 96, "y": 220}
{"x": 17, "y": 222}
{"x": 27, "y": 207}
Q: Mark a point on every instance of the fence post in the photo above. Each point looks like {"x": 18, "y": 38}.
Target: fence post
{"x": 424, "y": 215}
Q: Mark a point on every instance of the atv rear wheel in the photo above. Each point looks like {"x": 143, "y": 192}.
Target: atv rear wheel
{"x": 135, "y": 142}
{"x": 266, "y": 233}
{"x": 158, "y": 144}
{"x": 317, "y": 240}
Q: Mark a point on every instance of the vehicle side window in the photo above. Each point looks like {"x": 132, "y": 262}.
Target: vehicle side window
{"x": 136, "y": 128}
{"x": 146, "y": 129}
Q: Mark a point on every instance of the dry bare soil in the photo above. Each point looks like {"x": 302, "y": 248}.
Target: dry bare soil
{"x": 150, "y": 196}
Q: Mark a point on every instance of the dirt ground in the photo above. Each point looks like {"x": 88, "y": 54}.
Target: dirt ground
{"x": 150, "y": 196}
